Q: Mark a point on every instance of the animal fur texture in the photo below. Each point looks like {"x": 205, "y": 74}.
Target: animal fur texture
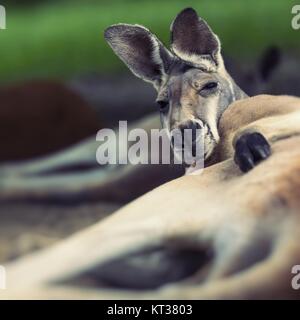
{"x": 248, "y": 221}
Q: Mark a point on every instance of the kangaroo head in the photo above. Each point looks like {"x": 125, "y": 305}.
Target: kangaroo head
{"x": 193, "y": 86}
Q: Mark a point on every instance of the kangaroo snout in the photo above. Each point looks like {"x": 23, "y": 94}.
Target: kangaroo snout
{"x": 192, "y": 126}
{"x": 188, "y": 133}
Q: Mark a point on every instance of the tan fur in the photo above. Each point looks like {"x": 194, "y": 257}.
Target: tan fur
{"x": 275, "y": 117}
{"x": 222, "y": 208}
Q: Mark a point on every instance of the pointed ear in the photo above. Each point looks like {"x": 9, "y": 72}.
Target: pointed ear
{"x": 140, "y": 50}
{"x": 192, "y": 40}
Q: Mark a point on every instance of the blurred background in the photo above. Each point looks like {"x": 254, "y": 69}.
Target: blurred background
{"x": 60, "y": 83}
{"x": 63, "y": 40}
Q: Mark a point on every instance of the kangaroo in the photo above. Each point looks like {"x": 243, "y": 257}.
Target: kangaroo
{"x": 40, "y": 117}
{"x": 193, "y": 90}
{"x": 192, "y": 84}
{"x": 218, "y": 235}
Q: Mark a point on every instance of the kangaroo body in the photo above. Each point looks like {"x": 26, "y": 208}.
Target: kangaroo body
{"x": 221, "y": 234}
{"x": 41, "y": 117}
{"x": 274, "y": 117}
{"x": 218, "y": 233}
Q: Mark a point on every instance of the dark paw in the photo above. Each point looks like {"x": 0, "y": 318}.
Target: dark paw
{"x": 250, "y": 149}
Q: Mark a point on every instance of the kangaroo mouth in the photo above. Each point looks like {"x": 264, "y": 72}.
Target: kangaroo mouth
{"x": 210, "y": 142}
{"x": 196, "y": 151}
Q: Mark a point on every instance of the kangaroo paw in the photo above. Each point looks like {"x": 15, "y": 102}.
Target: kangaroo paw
{"x": 250, "y": 149}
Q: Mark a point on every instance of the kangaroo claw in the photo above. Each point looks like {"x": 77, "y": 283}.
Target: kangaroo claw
{"x": 250, "y": 149}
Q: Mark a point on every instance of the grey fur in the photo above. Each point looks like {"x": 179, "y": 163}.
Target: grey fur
{"x": 181, "y": 76}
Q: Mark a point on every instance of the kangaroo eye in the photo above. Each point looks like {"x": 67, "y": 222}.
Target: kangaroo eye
{"x": 210, "y": 86}
{"x": 163, "y": 105}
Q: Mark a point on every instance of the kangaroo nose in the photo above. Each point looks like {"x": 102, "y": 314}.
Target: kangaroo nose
{"x": 191, "y": 125}
{"x": 189, "y": 141}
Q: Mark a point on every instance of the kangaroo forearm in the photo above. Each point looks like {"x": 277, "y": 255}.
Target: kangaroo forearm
{"x": 273, "y": 128}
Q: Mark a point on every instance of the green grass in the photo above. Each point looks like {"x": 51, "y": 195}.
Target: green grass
{"x": 62, "y": 39}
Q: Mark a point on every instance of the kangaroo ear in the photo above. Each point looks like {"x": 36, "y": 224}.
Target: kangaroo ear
{"x": 140, "y": 50}
{"x": 193, "y": 41}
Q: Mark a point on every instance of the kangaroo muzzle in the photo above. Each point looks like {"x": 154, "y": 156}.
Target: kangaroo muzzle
{"x": 187, "y": 138}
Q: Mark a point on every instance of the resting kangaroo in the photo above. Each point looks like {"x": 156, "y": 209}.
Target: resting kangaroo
{"x": 193, "y": 86}
{"x": 47, "y": 115}
{"x": 221, "y": 234}
{"x": 218, "y": 235}
{"x": 194, "y": 89}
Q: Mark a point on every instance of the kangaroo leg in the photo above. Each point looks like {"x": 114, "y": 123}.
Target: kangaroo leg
{"x": 252, "y": 143}
{"x": 250, "y": 149}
